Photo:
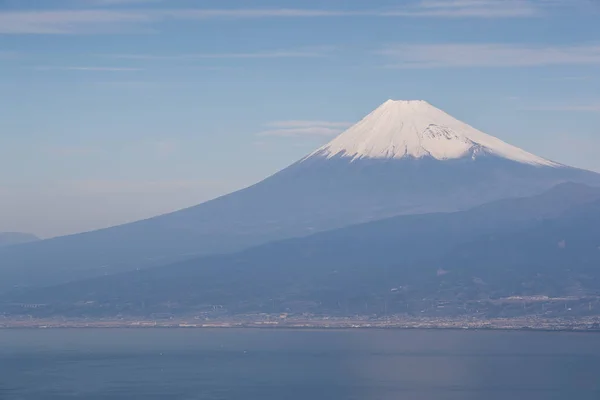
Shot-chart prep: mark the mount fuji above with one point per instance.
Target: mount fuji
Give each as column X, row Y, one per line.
column 405, row 157
column 416, row 129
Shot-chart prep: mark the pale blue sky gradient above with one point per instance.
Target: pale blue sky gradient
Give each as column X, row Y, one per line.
column 115, row 110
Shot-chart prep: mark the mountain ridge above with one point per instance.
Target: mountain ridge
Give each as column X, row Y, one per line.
column 15, row 238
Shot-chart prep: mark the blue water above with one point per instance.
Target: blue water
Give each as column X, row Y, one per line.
column 279, row 364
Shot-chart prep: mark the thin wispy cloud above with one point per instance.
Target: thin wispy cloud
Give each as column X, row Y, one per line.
column 298, row 53
column 304, row 128
column 136, row 20
column 6, row 55
column 308, row 131
column 470, row 8
column 251, row 13
column 90, row 69
column 133, row 20
column 487, row 55
column 65, row 151
column 307, row 124
column 571, row 78
column 164, row 148
column 129, row 186
column 566, row 107
column 70, row 21
column 103, row 69
column 138, row 85
column 120, row 2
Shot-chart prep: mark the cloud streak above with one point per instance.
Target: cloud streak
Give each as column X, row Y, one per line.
column 120, row 2
column 567, row 107
column 299, row 53
column 458, row 55
column 138, row 187
column 296, row 128
column 136, row 20
column 470, row 9
column 307, row 124
column 89, row 69
column 66, row 151
column 70, row 21
column 164, row 148
column 308, row 131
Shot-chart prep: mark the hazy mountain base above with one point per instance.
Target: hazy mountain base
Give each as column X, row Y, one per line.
column 14, row 238
column 500, row 259
column 315, row 195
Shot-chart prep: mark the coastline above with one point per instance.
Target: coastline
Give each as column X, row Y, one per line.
column 582, row 324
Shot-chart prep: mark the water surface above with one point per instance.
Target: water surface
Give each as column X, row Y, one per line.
column 296, row 364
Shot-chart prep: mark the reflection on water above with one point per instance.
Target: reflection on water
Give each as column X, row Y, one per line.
column 277, row 364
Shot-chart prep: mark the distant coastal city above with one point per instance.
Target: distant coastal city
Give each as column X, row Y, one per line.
column 589, row 323
column 536, row 312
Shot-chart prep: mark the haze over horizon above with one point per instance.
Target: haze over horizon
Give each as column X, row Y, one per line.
column 117, row 110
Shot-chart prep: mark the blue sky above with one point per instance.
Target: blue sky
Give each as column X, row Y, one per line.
column 115, row 110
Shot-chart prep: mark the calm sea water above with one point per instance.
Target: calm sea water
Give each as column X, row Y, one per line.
column 278, row 364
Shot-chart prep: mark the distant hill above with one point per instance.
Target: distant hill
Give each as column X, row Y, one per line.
column 547, row 244
column 11, row 238
column 556, row 257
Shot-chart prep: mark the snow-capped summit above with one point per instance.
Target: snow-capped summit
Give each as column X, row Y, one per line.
column 415, row 128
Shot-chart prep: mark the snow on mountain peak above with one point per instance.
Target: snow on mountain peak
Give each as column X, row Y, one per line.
column 416, row 129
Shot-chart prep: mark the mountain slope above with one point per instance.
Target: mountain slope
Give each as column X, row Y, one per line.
column 362, row 261
column 13, row 238
column 404, row 158
column 558, row 257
